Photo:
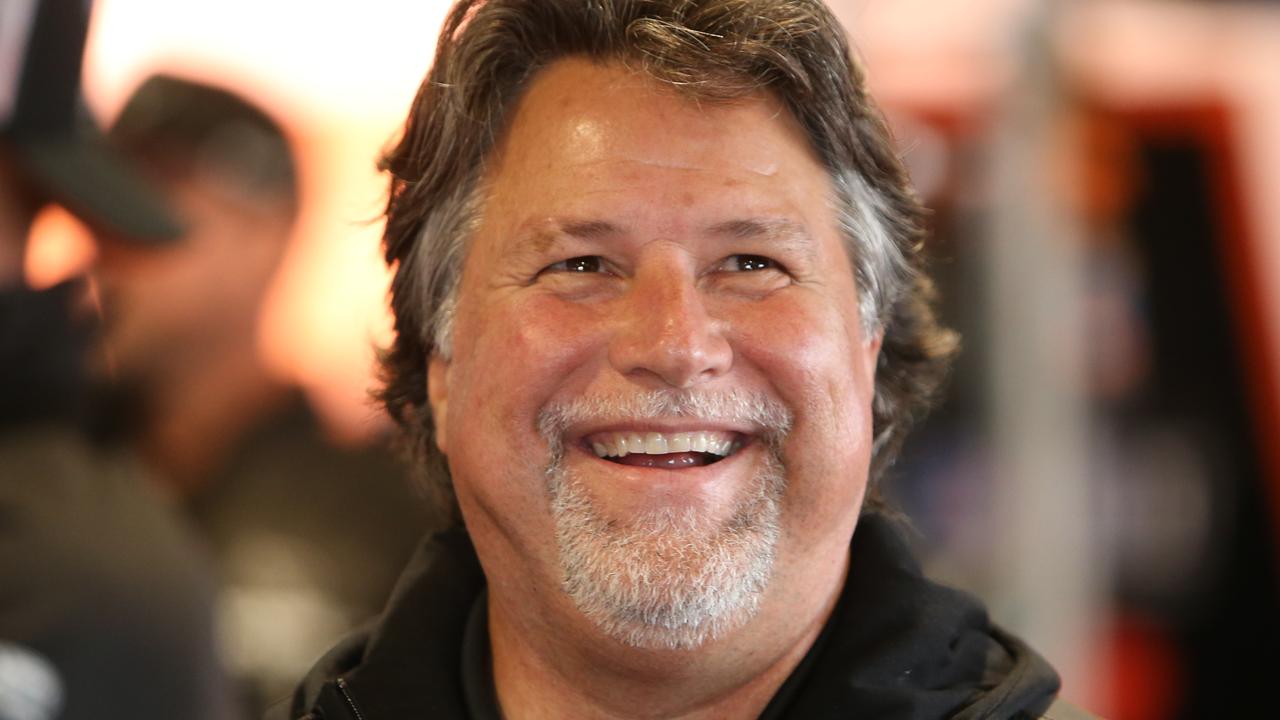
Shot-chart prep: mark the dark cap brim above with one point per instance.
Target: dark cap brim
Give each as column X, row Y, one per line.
column 81, row 172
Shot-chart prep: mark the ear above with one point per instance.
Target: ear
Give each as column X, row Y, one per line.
column 873, row 345
column 871, row 352
column 438, row 398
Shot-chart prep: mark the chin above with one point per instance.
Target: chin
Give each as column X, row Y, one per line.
column 671, row 578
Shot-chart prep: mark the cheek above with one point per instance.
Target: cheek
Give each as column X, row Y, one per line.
column 813, row 355
column 510, row 358
column 514, row 355
column 816, row 361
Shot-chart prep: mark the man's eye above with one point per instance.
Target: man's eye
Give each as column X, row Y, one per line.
column 583, row 264
column 749, row 263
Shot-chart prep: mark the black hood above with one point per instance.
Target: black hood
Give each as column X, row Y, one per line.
column 898, row 646
column 901, row 646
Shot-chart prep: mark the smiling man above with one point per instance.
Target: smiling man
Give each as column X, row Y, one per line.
column 660, row 313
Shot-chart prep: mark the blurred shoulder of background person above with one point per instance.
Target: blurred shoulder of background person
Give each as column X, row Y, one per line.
column 189, row 391
column 105, row 604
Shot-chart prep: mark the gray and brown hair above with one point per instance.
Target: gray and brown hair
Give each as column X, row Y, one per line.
column 710, row 50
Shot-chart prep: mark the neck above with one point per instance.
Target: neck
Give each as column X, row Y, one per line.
column 195, row 417
column 541, row 672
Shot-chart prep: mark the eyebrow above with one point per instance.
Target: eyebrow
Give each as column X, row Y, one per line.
column 781, row 232
column 547, row 234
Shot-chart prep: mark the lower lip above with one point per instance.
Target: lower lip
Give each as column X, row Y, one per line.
column 668, row 461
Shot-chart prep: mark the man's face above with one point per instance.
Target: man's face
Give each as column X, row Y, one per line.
column 656, row 274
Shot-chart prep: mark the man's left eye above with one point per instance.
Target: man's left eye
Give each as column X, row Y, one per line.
column 583, row 264
column 749, row 263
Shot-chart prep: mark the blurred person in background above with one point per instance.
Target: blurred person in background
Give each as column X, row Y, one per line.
column 662, row 325
column 188, row 391
column 105, row 603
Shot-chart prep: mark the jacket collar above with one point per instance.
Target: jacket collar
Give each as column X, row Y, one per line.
column 411, row 667
column 897, row 646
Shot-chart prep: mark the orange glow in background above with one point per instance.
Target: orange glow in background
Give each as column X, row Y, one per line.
column 339, row 77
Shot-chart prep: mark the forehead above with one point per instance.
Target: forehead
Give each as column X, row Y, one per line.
column 588, row 138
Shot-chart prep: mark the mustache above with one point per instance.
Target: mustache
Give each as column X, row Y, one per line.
column 771, row 419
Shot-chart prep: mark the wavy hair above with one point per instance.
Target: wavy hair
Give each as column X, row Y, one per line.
column 710, row 50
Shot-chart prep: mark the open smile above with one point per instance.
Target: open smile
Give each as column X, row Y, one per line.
column 665, row 450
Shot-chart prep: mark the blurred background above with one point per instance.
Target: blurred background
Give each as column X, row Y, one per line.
column 1105, row 471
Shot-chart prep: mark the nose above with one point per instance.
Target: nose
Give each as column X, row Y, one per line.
column 666, row 334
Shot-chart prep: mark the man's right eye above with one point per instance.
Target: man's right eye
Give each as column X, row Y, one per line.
column 583, row 264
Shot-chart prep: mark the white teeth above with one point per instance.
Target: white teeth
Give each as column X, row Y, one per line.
column 654, row 443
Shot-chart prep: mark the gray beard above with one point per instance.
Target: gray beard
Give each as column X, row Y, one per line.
column 668, row 579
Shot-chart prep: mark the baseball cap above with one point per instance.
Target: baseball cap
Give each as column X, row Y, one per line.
column 49, row 133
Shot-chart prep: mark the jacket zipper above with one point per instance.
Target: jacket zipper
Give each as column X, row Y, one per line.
column 346, row 695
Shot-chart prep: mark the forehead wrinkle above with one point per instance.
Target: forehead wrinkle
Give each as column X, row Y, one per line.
column 746, row 165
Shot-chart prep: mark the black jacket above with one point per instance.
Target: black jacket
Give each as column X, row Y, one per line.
column 897, row 647
column 106, row 602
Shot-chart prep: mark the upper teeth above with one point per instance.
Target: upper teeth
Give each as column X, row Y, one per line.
column 618, row 444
